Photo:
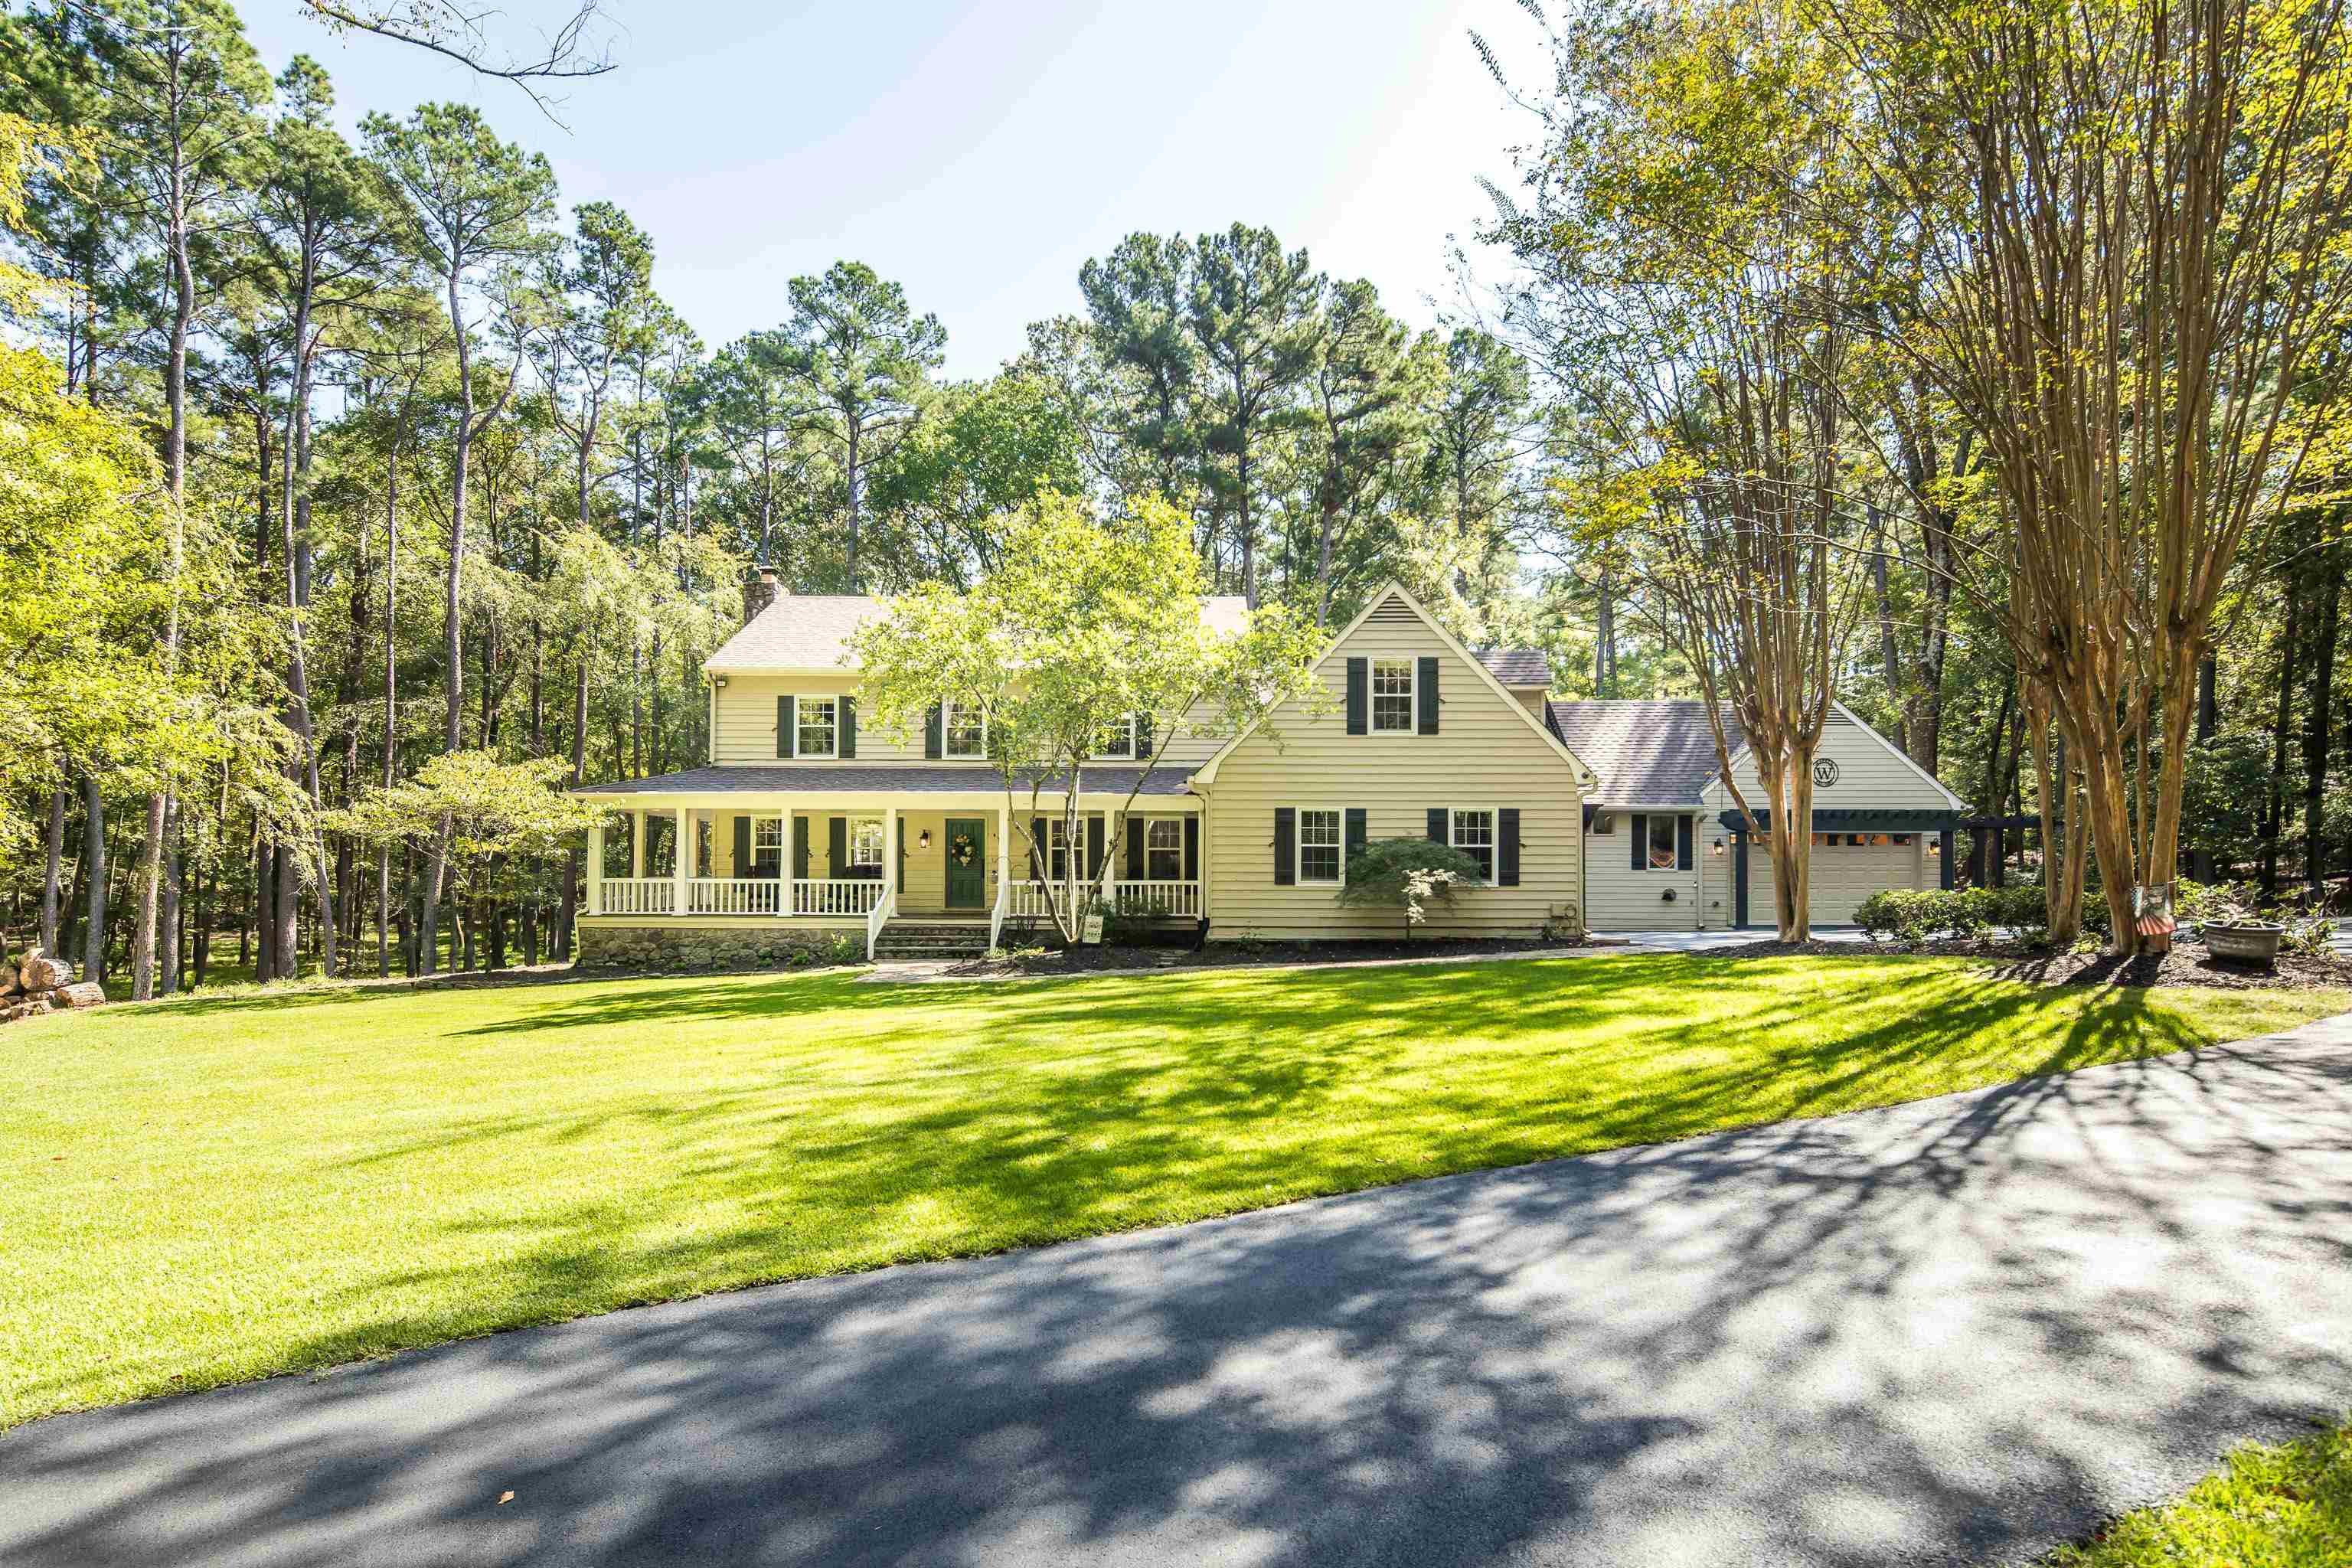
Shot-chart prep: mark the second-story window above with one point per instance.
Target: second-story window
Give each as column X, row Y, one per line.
column 963, row 732
column 1391, row 695
column 818, row 719
column 1119, row 741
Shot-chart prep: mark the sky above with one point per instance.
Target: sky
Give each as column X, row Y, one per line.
column 980, row 153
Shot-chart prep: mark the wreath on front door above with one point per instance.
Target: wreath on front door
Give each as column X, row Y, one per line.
column 960, row 849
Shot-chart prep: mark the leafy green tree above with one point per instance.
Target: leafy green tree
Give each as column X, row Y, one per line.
column 953, row 484
column 863, row 360
column 1083, row 629
column 1366, row 389
column 1139, row 316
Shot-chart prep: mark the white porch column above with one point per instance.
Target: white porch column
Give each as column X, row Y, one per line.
column 637, row 843
column 1003, row 849
column 682, row 865
column 891, row 850
column 596, row 867
column 788, row 892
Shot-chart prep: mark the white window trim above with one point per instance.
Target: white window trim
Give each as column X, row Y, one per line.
column 1675, row 842
column 1128, row 754
column 947, row 729
column 1493, row 845
column 1177, row 848
column 1412, row 662
column 1298, row 876
column 832, row 753
column 881, row 839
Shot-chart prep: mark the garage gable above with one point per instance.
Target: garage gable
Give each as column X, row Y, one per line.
column 1854, row 768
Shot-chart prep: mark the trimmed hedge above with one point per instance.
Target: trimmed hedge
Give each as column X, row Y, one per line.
column 1960, row 913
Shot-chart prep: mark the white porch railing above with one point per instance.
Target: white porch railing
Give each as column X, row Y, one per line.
column 996, row 916
column 1164, row 901
column 734, row 896
column 836, row 895
column 883, row 909
column 636, row 896
column 1159, row 900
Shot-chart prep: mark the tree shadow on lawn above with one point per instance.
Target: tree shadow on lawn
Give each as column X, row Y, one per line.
column 1976, row 1326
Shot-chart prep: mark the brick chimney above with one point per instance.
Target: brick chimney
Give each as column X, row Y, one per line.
column 758, row 590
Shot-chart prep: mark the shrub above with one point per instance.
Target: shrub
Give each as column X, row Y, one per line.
column 1962, row 913
column 1410, row 873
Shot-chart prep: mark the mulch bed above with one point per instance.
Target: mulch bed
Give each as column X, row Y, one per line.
column 1120, row 958
column 2186, row 965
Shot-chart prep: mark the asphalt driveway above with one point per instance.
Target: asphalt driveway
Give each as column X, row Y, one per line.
column 1950, row 1331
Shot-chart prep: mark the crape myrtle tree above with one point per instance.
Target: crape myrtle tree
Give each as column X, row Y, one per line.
column 1088, row 629
column 2134, row 287
column 1691, row 249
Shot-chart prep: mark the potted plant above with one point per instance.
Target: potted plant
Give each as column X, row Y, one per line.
column 2234, row 931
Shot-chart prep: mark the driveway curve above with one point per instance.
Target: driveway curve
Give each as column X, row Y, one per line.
column 1956, row 1331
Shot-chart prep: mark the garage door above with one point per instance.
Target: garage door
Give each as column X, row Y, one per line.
column 1843, row 873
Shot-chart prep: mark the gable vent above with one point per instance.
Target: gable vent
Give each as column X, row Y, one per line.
column 1393, row 612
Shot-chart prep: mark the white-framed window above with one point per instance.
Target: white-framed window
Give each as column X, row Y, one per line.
column 1058, row 836
column 766, row 843
column 1474, row 834
column 1665, row 855
column 1163, row 849
column 963, row 732
column 867, row 839
column 1321, row 855
column 817, row 721
column 1392, row 691
column 1119, row 741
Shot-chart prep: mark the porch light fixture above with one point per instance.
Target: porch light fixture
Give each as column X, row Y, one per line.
column 1717, row 849
column 923, row 840
column 719, row 682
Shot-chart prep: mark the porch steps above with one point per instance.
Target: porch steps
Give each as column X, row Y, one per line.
column 921, row 939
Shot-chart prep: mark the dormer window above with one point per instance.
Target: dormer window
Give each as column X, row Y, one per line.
column 1118, row 741
column 963, row 732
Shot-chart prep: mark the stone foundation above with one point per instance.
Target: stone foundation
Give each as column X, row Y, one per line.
column 639, row 948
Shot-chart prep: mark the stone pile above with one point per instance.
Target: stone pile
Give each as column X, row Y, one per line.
column 37, row 982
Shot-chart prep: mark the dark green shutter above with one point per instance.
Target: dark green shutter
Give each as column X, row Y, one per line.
column 849, row 726
column 935, row 733
column 1191, row 848
column 800, row 848
column 1682, row 843
column 1640, row 825
column 1037, row 861
column 787, row 731
column 1428, row 685
column 1438, row 824
column 1286, row 847
column 836, row 847
column 1135, row 849
column 1094, row 847
column 1506, row 847
column 742, row 846
column 1358, row 835
column 1359, row 696
column 1142, row 737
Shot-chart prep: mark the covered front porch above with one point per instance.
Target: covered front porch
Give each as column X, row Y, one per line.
column 851, row 864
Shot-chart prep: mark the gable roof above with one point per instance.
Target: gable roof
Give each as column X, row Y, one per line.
column 1207, row 773
column 1517, row 666
column 1647, row 753
column 811, row 631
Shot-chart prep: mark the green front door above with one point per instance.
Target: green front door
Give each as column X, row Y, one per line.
column 967, row 852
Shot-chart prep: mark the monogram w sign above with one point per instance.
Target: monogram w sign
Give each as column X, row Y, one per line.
column 1825, row 772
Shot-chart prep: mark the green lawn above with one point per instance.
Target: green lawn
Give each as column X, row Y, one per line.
column 2284, row 1506
column 206, row 1190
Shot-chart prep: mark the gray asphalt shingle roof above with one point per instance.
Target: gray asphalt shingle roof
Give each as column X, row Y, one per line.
column 785, row 778
column 1657, row 753
column 1517, row 666
column 811, row 631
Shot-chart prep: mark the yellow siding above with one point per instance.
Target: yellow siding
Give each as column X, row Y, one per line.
column 1619, row 898
column 1870, row 776
column 745, row 726
column 1485, row 756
